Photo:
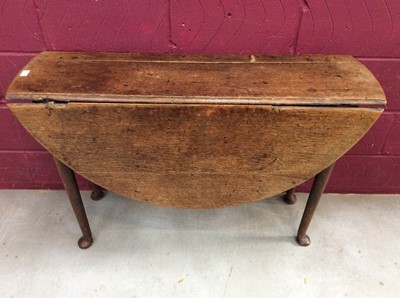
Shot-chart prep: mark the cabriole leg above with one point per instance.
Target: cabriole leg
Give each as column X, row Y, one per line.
column 320, row 181
column 290, row 197
column 97, row 192
column 70, row 185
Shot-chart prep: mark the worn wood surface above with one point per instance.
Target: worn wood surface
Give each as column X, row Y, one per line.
column 196, row 131
column 197, row 156
column 247, row 79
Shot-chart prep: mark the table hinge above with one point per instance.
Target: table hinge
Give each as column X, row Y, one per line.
column 49, row 101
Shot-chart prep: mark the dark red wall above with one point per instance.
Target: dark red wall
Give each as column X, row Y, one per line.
column 367, row 29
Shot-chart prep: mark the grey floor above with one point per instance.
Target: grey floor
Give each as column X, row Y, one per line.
column 247, row 251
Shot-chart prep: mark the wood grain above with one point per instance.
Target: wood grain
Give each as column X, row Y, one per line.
column 109, row 77
column 195, row 156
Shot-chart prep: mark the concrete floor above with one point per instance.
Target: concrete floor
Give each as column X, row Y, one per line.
column 142, row 250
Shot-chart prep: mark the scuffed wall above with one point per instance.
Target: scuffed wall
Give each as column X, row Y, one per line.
column 367, row 29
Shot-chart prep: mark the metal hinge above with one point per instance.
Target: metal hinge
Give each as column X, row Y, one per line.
column 49, row 101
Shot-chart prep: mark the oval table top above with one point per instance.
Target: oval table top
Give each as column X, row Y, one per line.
column 196, row 131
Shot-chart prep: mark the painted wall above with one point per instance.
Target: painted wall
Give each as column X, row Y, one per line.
column 367, row 29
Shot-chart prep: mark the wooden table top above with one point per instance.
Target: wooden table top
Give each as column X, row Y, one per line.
column 231, row 79
column 241, row 128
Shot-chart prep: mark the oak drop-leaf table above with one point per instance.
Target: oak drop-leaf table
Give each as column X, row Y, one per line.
column 195, row 131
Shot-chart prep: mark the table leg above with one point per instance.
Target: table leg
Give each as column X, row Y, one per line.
column 320, row 181
column 70, row 185
column 97, row 192
column 290, row 196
